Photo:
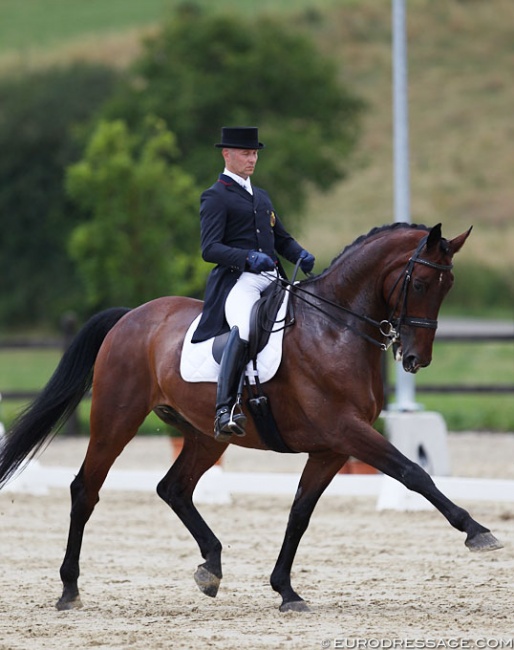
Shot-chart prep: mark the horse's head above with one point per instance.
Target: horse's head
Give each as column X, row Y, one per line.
column 414, row 296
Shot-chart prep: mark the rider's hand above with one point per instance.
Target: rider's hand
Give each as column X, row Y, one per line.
column 258, row 262
column 307, row 261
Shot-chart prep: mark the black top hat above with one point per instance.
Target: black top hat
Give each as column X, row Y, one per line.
column 240, row 137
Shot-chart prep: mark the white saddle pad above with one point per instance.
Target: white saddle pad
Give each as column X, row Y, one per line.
column 197, row 363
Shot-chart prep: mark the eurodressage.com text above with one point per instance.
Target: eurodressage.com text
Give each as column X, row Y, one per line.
column 482, row 643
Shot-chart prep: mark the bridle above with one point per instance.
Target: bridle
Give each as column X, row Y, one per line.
column 389, row 328
column 406, row 274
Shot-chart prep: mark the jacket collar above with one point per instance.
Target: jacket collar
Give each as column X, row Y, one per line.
column 233, row 186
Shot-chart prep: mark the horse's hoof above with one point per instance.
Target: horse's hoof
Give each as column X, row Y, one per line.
column 207, row 582
column 64, row 604
column 295, row 606
column 483, row 542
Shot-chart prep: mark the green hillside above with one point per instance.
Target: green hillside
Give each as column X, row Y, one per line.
column 28, row 26
column 461, row 55
column 461, row 122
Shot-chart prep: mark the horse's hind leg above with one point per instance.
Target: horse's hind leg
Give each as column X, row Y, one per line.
column 81, row 510
column 176, row 489
column 104, row 447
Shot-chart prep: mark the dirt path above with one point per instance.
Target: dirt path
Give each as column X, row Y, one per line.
column 370, row 577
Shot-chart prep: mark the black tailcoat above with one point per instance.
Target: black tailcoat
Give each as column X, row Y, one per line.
column 233, row 223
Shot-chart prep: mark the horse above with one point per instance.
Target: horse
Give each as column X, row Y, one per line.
column 385, row 288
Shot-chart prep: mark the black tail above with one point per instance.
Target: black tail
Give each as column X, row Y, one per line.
column 57, row 401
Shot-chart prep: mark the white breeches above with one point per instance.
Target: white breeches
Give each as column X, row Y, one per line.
column 243, row 296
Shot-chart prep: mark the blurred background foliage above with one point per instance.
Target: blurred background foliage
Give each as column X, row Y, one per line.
column 125, row 227
column 315, row 75
column 40, row 116
column 139, row 241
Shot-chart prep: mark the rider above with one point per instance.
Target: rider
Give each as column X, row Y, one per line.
column 242, row 235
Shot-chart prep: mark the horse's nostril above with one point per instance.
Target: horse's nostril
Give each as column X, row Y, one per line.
column 410, row 363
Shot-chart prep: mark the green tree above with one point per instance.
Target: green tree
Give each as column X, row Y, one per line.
column 141, row 237
column 40, row 115
column 204, row 71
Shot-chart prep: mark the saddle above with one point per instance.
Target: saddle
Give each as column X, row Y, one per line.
column 263, row 320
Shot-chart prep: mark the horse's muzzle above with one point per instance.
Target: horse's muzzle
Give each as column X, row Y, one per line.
column 411, row 363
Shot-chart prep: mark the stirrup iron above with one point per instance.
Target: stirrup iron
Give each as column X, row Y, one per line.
column 229, row 421
column 237, row 420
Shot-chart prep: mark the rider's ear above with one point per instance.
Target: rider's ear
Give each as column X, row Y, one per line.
column 434, row 237
column 457, row 243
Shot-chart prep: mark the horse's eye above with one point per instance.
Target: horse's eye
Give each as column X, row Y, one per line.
column 419, row 286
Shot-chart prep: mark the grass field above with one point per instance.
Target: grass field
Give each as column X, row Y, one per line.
column 31, row 27
column 30, row 370
column 44, row 23
column 485, row 363
column 469, row 364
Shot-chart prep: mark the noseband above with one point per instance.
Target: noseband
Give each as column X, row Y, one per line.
column 390, row 328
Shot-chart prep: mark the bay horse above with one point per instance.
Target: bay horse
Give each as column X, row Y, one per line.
column 386, row 287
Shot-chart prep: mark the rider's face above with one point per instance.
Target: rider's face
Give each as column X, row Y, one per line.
column 241, row 161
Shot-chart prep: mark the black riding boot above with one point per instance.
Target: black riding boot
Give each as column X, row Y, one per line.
column 229, row 416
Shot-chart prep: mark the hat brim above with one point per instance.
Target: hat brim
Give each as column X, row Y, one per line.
column 222, row 145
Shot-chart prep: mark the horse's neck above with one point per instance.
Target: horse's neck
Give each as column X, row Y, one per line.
column 355, row 281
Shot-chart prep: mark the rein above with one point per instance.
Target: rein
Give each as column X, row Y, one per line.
column 389, row 328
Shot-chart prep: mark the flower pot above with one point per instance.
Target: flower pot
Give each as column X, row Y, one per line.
column 354, row 466
column 177, row 442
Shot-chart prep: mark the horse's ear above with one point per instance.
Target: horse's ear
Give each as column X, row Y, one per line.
column 456, row 244
column 434, row 236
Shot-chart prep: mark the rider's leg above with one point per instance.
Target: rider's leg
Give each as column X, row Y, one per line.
column 229, row 417
column 238, row 306
column 242, row 297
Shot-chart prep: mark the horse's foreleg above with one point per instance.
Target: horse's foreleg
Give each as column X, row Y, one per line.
column 317, row 474
column 380, row 453
column 415, row 478
column 176, row 489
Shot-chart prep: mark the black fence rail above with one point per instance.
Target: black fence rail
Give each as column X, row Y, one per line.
column 466, row 331
column 450, row 331
column 69, row 327
column 31, row 344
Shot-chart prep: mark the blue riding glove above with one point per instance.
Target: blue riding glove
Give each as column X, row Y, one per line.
column 258, row 262
column 307, row 261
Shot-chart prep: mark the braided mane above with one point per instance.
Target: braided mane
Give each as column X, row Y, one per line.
column 397, row 225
